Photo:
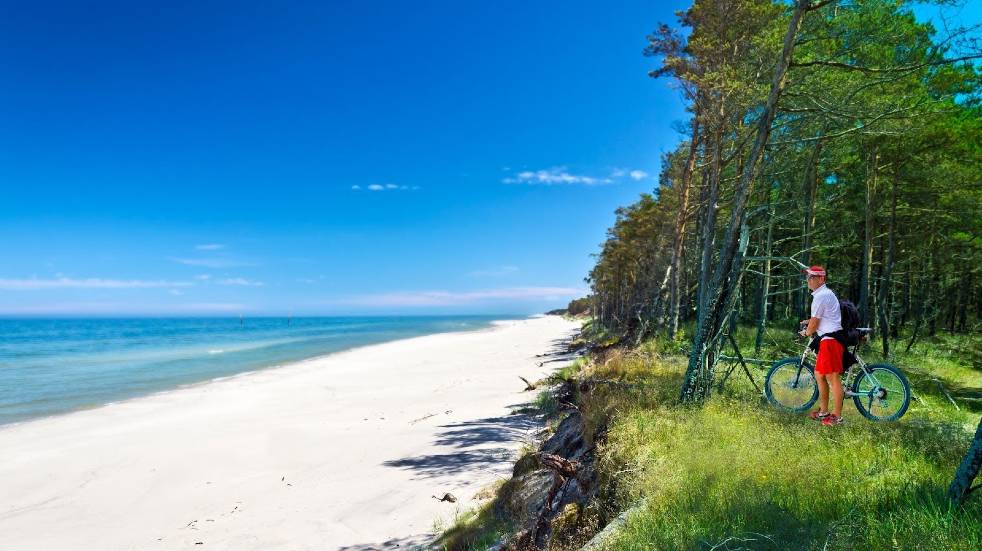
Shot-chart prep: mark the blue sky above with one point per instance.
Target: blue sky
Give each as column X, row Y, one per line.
column 364, row 157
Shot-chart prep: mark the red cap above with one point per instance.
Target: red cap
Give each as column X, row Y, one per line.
column 814, row 270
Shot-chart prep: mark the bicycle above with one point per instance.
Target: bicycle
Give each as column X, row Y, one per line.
column 881, row 392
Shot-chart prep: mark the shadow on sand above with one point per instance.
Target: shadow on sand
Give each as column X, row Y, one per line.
column 411, row 542
column 478, row 444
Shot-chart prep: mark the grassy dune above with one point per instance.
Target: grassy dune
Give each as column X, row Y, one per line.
column 737, row 474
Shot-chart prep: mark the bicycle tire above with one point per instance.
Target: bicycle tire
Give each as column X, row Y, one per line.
column 864, row 401
column 775, row 382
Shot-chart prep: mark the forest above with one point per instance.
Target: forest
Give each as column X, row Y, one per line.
column 845, row 134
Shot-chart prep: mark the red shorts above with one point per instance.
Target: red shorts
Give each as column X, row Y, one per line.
column 829, row 357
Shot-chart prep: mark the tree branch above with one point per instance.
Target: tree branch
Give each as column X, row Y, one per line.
column 841, row 65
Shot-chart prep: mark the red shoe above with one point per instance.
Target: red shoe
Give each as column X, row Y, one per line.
column 832, row 419
column 818, row 415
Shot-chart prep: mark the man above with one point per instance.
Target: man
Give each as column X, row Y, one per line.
column 825, row 320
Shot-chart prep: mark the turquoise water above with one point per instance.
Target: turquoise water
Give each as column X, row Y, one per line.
column 56, row 366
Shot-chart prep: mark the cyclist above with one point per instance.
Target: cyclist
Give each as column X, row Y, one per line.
column 825, row 320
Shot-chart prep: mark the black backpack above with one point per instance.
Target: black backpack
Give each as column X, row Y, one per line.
column 850, row 321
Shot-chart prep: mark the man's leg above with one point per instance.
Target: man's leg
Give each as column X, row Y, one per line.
column 834, row 383
column 823, row 393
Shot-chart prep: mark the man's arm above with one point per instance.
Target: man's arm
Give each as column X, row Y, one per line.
column 819, row 304
column 811, row 329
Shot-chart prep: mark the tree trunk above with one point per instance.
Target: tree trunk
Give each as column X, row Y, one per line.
column 701, row 222
column 952, row 310
column 681, row 217
column 699, row 376
column 709, row 214
column 905, row 307
column 810, row 193
column 961, row 485
column 966, row 298
column 765, row 285
column 923, row 296
column 866, row 271
column 885, row 284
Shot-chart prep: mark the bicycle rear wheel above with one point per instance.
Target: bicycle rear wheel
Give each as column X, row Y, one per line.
column 790, row 385
column 881, row 393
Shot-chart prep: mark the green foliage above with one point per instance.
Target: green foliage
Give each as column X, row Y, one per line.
column 546, row 403
column 871, row 169
column 579, row 306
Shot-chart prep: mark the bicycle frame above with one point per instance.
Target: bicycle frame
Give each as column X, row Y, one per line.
column 849, row 376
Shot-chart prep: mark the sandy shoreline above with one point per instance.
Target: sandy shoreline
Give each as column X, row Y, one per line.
column 340, row 452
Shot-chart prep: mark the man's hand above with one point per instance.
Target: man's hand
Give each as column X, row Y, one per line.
column 810, row 326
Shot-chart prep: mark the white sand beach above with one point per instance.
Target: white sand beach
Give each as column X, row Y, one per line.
column 339, row 452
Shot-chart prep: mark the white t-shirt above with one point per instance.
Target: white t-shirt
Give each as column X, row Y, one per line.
column 825, row 307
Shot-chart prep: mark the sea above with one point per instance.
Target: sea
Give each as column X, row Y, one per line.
column 55, row 366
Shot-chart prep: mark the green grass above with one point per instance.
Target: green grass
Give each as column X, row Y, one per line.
column 739, row 474
column 722, row 471
column 475, row 529
column 568, row 371
column 546, row 403
column 937, row 367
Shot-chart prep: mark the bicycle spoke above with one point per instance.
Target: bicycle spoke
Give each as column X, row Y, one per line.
column 882, row 393
column 791, row 386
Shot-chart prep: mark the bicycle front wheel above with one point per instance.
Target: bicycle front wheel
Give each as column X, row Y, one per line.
column 881, row 393
column 791, row 385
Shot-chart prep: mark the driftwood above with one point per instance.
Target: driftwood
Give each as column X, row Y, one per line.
column 564, row 470
column 536, row 536
column 448, row 497
column 560, row 465
column 945, row 392
column 528, row 386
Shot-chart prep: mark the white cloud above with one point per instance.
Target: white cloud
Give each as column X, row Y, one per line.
column 240, row 281
column 387, row 187
column 498, row 271
column 209, row 247
column 451, row 298
column 555, row 175
column 125, row 308
column 211, row 262
column 356, row 187
column 176, row 292
column 203, row 277
column 34, row 284
column 560, row 175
